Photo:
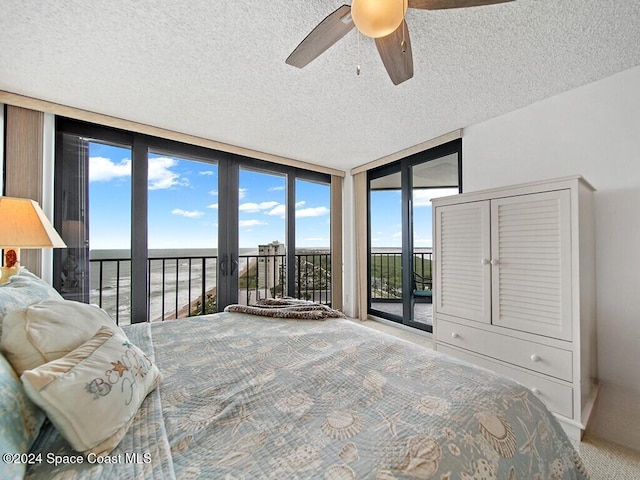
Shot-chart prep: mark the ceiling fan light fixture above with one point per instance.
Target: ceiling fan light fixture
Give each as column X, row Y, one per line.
column 378, row 18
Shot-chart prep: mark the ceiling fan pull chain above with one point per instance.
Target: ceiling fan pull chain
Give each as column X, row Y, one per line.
column 358, row 59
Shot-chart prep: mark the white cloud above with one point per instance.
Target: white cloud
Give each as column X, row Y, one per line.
column 312, row 212
column 422, row 197
column 213, row 205
column 187, row 213
column 280, row 211
column 300, row 203
column 251, row 223
column 252, row 207
column 103, row 169
column 160, row 175
column 207, row 172
column 397, row 235
column 242, row 192
column 213, row 193
column 275, row 189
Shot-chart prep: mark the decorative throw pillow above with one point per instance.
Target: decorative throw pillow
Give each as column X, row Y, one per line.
column 22, row 290
column 92, row 394
column 20, row 421
column 48, row 330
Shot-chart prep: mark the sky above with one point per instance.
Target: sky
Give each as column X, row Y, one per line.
column 183, row 206
column 386, row 217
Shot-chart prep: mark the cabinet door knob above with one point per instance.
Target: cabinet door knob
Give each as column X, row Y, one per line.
column 535, row 358
column 495, row 262
column 455, row 335
column 485, row 261
column 536, row 391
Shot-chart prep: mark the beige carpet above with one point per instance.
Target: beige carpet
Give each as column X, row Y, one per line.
column 608, row 461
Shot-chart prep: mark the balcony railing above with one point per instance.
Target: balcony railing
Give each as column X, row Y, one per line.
column 186, row 286
column 386, row 273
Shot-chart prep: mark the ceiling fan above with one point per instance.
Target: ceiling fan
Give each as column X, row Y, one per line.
column 382, row 20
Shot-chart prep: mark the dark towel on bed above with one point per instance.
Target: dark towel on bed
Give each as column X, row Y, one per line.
column 287, row 308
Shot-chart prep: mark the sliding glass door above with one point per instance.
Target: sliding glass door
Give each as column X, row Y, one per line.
column 159, row 230
column 262, row 235
column 385, row 257
column 312, row 269
column 100, row 170
column 182, row 235
column 400, row 237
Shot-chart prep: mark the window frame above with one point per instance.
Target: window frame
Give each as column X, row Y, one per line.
column 403, row 166
column 141, row 144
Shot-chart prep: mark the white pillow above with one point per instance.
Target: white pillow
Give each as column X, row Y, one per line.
column 23, row 289
column 92, row 394
column 48, row 330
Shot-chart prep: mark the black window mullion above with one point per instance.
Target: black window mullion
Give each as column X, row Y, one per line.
column 291, row 235
column 407, row 242
column 227, row 283
column 139, row 209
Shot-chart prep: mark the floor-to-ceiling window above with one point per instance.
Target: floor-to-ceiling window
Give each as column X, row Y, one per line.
column 182, row 234
column 97, row 169
column 400, row 237
column 312, row 271
column 262, row 235
column 159, row 229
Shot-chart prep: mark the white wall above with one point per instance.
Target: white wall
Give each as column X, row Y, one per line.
column 593, row 131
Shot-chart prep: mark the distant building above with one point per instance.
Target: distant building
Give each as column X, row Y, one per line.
column 270, row 264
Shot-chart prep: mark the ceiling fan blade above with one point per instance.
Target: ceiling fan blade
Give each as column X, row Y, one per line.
column 395, row 52
column 441, row 4
column 328, row 32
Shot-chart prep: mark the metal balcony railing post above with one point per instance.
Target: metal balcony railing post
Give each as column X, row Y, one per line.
column 204, row 284
column 100, row 285
column 149, row 290
column 189, row 294
column 117, row 292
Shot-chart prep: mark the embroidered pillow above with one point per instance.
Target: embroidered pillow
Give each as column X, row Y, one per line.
column 92, row 394
column 36, row 334
column 20, row 420
column 23, row 289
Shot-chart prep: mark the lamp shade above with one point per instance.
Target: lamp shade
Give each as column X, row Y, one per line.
column 23, row 224
column 378, row 18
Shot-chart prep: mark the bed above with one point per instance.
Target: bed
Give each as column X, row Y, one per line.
column 240, row 395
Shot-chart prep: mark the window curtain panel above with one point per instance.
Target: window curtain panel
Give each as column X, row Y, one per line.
column 361, row 220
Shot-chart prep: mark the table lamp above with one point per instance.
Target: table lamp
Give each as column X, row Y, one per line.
column 23, row 224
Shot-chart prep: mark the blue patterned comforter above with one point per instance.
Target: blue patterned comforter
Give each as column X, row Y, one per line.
column 252, row 397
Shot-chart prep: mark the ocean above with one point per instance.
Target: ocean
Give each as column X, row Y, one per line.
column 175, row 281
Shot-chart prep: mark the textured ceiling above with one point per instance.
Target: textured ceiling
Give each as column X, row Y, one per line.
column 216, row 68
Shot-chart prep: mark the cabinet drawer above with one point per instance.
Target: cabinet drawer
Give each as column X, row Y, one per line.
column 533, row 356
column 557, row 397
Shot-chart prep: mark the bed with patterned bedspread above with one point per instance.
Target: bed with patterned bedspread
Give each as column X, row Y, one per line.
column 255, row 397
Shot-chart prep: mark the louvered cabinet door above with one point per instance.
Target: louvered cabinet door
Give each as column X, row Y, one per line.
column 462, row 253
column 531, row 263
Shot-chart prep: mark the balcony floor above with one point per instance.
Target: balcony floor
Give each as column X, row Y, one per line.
column 422, row 312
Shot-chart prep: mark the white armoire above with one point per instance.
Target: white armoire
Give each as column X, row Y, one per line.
column 515, row 287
